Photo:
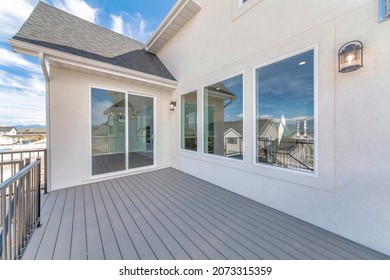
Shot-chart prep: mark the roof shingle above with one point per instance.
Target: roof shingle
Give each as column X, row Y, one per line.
column 52, row 28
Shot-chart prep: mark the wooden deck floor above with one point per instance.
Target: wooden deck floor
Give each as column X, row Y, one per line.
column 168, row 214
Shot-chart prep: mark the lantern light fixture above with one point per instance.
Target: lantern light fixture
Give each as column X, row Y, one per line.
column 351, row 56
column 172, row 105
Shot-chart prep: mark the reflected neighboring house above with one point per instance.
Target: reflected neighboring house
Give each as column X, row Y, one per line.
column 268, row 130
column 31, row 134
column 233, row 138
column 8, row 135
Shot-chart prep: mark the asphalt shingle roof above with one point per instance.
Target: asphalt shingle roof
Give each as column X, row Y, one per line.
column 52, row 28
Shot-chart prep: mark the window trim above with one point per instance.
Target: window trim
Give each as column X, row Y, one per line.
column 241, row 2
column 181, row 124
column 265, row 167
column 239, row 8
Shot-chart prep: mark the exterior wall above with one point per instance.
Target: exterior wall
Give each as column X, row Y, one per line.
column 350, row 193
column 71, row 128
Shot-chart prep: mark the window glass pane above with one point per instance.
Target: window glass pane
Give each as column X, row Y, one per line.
column 223, row 113
column 285, row 113
column 141, row 131
column 189, row 121
column 108, row 131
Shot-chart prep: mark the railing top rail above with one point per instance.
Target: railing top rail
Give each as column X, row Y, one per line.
column 11, row 162
column 18, row 175
column 23, row 151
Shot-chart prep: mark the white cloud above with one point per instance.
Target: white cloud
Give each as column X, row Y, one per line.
column 12, row 15
column 117, row 24
column 264, row 116
column 34, row 84
column 133, row 26
column 78, row 8
column 20, row 106
column 22, row 99
column 11, row 59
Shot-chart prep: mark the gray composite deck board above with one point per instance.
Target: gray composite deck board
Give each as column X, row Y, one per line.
column 94, row 238
column 78, row 245
column 329, row 244
column 35, row 241
column 124, row 242
column 167, row 214
column 62, row 248
column 199, row 233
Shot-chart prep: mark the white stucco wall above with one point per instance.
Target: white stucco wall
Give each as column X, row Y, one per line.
column 350, row 195
column 70, row 125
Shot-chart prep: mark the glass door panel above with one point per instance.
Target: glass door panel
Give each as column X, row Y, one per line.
column 140, row 131
column 108, row 116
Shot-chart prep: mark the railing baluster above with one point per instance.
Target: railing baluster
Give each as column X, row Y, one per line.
column 19, row 209
column 3, row 224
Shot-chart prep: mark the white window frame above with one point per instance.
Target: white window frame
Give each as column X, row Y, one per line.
column 198, row 111
column 241, row 2
column 315, row 114
column 202, row 112
column 239, row 8
column 155, row 138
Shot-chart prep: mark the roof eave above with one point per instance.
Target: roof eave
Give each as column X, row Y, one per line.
column 181, row 13
column 34, row 50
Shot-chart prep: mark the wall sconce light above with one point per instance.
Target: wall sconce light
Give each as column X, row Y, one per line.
column 351, row 57
column 172, row 105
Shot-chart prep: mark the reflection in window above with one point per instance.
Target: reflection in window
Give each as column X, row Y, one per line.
column 189, row 121
column 285, row 113
column 108, row 115
column 223, row 112
column 108, row 131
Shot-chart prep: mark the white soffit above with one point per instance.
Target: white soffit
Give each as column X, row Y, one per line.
column 180, row 14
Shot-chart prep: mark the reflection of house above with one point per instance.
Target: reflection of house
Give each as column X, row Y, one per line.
column 202, row 42
column 267, row 130
column 7, row 135
column 233, row 138
column 32, row 134
column 218, row 97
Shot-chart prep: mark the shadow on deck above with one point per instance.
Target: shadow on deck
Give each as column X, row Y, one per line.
column 167, row 214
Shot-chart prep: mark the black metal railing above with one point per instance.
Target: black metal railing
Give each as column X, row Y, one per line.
column 20, row 204
column 297, row 154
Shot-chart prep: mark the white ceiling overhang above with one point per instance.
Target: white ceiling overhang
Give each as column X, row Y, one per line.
column 180, row 14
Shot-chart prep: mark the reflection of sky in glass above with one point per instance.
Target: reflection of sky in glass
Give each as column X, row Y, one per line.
column 233, row 111
column 286, row 88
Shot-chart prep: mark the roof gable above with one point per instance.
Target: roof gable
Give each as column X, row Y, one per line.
column 52, row 28
column 7, row 128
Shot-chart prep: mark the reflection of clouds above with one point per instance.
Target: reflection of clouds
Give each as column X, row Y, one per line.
column 265, row 117
column 234, row 111
column 286, row 88
column 234, row 83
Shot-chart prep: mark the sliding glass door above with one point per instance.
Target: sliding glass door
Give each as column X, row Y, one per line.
column 122, row 131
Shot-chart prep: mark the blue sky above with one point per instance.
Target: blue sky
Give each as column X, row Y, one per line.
column 22, row 96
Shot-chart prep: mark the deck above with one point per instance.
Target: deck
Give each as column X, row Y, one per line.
column 167, row 214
